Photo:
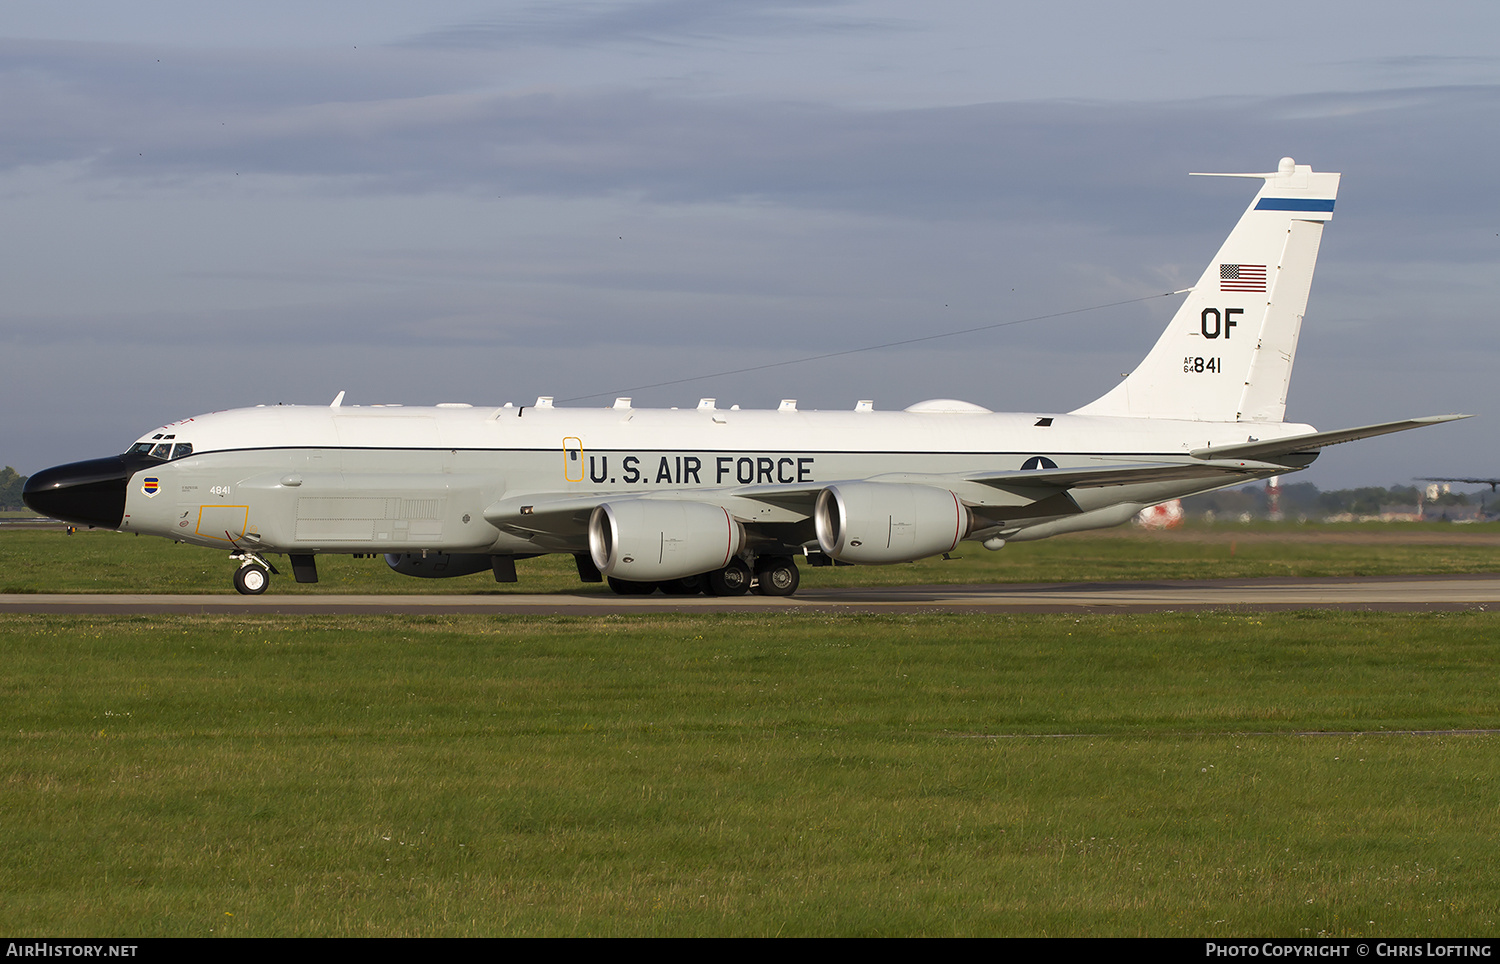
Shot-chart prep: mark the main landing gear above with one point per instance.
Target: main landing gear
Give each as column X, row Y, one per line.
column 773, row 576
column 776, row 576
column 732, row 580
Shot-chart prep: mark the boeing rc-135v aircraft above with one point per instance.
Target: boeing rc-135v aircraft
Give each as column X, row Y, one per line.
column 721, row 501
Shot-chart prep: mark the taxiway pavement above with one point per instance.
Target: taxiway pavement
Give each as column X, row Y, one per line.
column 1405, row 593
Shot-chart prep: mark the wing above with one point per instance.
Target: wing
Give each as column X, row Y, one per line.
column 560, row 522
column 1492, row 483
column 783, row 513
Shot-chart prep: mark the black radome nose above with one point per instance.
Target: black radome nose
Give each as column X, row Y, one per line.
column 88, row 493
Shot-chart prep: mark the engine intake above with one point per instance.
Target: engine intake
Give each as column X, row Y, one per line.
column 877, row 523
column 646, row 540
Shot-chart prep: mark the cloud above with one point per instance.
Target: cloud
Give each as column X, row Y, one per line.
column 401, row 128
column 658, row 22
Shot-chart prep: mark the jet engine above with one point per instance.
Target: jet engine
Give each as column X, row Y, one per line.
column 438, row 565
column 648, row 540
column 875, row 523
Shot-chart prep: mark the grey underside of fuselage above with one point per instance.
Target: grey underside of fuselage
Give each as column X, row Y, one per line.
column 340, row 500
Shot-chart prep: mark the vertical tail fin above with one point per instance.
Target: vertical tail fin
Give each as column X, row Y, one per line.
column 1227, row 355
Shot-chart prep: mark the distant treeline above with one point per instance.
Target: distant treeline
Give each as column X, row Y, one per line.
column 11, row 483
column 1305, row 500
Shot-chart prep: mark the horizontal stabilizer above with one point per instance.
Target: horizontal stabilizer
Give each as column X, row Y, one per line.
column 1120, row 473
column 1299, row 444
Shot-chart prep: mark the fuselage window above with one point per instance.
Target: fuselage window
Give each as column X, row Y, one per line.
column 182, row 450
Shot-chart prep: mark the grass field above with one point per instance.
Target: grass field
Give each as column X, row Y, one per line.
column 1169, row 774
column 47, row 560
column 791, row 774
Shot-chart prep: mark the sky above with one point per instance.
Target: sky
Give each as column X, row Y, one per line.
column 212, row 206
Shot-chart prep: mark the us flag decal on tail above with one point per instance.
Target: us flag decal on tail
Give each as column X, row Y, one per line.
column 1242, row 277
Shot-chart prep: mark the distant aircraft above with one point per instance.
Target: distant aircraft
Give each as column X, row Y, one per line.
column 723, row 501
column 1489, row 482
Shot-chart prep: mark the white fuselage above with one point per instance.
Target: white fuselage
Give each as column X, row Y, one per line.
column 309, row 479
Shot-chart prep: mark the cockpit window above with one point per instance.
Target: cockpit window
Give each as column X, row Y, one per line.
column 163, row 450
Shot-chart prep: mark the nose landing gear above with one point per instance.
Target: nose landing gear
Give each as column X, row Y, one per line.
column 253, row 575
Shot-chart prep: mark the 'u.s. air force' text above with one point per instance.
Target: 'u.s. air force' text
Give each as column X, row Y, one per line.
column 705, row 470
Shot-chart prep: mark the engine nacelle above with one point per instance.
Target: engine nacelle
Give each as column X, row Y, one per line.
column 875, row 523
column 648, row 540
column 437, row 565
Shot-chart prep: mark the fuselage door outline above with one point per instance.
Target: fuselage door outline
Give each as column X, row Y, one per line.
column 573, row 459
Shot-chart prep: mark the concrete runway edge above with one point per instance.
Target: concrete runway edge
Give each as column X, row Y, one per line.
column 1395, row 594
